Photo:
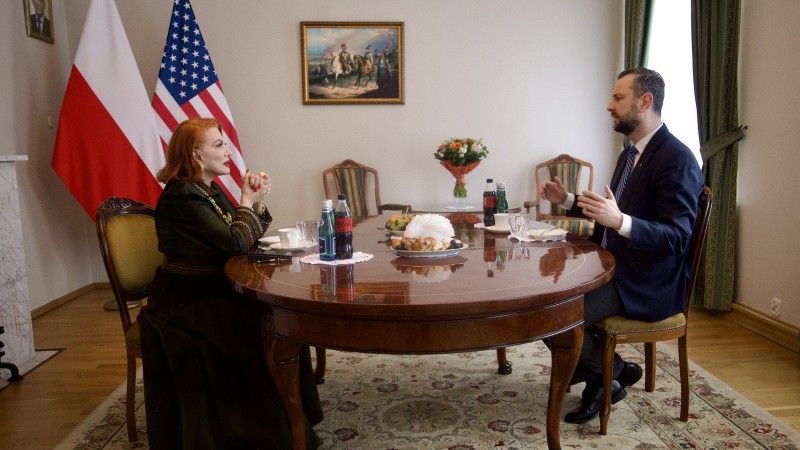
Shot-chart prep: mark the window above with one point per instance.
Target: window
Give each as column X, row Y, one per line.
column 669, row 52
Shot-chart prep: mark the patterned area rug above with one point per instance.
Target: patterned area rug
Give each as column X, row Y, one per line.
column 458, row 401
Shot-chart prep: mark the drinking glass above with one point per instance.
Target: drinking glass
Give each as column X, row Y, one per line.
column 518, row 224
column 309, row 230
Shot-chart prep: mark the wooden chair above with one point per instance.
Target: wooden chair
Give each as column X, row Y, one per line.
column 353, row 180
column 622, row 329
column 570, row 171
column 127, row 234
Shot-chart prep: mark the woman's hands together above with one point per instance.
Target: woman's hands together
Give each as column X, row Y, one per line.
column 255, row 188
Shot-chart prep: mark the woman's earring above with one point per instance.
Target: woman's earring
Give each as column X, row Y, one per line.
column 202, row 167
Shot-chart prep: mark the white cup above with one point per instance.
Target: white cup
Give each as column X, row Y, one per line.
column 290, row 237
column 501, row 220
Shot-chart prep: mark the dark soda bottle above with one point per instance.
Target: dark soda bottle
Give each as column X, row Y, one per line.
column 327, row 232
column 489, row 203
column 344, row 230
column 345, row 288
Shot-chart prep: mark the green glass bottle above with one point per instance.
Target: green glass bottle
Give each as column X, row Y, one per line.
column 502, row 202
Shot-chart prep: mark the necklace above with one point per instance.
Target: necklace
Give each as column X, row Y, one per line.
column 225, row 216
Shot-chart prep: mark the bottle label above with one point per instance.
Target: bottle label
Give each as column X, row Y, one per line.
column 344, row 224
column 489, row 201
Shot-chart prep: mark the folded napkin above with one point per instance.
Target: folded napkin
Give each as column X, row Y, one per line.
column 357, row 257
column 542, row 235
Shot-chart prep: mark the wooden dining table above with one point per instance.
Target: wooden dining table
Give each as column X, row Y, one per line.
column 496, row 292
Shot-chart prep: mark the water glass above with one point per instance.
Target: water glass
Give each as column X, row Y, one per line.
column 309, row 230
column 518, row 223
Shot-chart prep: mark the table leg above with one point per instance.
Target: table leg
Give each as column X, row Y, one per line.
column 283, row 362
column 565, row 349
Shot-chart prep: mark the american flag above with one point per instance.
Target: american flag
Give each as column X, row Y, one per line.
column 188, row 87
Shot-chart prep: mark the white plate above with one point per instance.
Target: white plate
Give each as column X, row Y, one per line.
column 303, row 245
column 496, row 229
column 431, row 253
column 270, row 239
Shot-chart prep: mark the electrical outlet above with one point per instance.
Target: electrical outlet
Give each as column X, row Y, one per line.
column 775, row 307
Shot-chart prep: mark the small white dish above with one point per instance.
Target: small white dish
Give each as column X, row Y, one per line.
column 498, row 229
column 270, row 239
column 303, row 245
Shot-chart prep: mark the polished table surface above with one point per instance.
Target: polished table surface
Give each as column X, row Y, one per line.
column 495, row 293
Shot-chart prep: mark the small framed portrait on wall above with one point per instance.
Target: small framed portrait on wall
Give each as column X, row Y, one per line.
column 39, row 19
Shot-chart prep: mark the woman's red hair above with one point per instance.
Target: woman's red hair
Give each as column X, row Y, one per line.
column 181, row 163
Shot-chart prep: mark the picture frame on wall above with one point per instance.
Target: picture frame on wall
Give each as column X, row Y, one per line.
column 352, row 62
column 39, row 19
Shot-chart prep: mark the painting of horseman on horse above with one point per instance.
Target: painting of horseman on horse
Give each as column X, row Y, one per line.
column 352, row 63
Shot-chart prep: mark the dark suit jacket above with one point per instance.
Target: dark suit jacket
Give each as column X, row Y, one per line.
column 45, row 25
column 661, row 196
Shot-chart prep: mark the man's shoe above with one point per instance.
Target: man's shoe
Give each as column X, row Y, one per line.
column 592, row 401
column 631, row 373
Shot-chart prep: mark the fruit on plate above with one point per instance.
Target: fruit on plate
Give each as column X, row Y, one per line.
column 398, row 222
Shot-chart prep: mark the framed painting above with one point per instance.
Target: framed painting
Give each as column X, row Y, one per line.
column 352, row 62
column 39, row 19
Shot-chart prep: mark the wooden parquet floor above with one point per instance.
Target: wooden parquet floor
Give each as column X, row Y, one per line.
column 42, row 409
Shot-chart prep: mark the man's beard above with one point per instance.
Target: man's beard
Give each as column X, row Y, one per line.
column 627, row 124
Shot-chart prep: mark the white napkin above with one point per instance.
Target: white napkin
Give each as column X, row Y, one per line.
column 542, row 235
column 357, row 258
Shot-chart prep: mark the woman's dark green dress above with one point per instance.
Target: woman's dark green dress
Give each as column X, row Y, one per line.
column 205, row 377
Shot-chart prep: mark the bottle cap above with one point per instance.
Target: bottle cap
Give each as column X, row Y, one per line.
column 488, row 180
column 342, row 197
column 501, row 185
column 327, row 202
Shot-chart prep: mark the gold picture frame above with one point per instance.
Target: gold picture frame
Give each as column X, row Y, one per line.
column 39, row 19
column 352, row 62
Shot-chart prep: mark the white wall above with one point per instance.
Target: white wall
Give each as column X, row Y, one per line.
column 769, row 157
column 58, row 239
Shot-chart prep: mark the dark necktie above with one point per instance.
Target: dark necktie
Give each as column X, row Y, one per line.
column 630, row 155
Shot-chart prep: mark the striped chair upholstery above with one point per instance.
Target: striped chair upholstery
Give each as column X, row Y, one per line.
column 569, row 170
column 352, row 182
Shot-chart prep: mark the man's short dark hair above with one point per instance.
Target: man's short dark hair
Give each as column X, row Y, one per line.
column 647, row 80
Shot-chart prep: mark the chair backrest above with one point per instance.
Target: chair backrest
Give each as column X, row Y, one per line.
column 569, row 170
column 698, row 241
column 127, row 234
column 352, row 179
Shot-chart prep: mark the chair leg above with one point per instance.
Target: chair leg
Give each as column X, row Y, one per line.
column 609, row 345
column 649, row 366
column 503, row 366
column 130, row 399
column 683, row 358
column 319, row 372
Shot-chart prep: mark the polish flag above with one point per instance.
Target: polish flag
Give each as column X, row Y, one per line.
column 107, row 142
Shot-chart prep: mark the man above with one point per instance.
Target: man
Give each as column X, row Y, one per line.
column 645, row 222
column 39, row 23
column 344, row 59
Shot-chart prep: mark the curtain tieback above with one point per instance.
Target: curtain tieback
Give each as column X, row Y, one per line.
column 721, row 142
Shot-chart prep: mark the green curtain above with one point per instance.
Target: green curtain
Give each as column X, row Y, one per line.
column 715, row 50
column 637, row 26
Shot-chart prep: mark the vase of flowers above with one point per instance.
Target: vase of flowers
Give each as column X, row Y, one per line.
column 461, row 156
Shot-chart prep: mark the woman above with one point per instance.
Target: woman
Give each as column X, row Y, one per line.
column 205, row 377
